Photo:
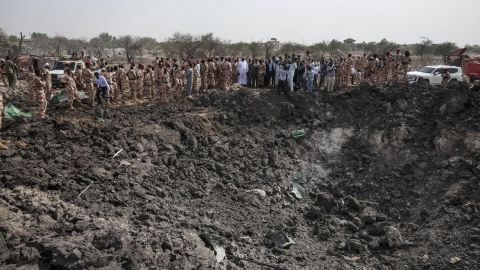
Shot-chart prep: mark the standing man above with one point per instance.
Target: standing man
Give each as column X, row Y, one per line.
column 102, row 89
column 189, row 79
column 119, row 78
column 132, row 81
column 11, row 71
column 3, row 145
column 310, row 75
column 148, row 81
column 262, row 69
column 330, row 76
column 39, row 89
column 48, row 82
column 71, row 87
column 211, row 74
column 406, row 62
column 3, row 74
column 203, row 75
column 242, row 72
column 78, row 77
column 87, row 76
column 291, row 73
column 140, row 81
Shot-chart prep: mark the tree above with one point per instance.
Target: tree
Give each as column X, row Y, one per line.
column 473, row 48
column 255, row 48
column 319, row 49
column 424, row 47
column 132, row 47
column 182, row 45
column 106, row 38
column 443, row 49
column 58, row 43
column 148, row 43
column 290, row 48
column 97, row 45
column 40, row 43
column 237, row 49
column 333, row 46
column 270, row 45
column 385, row 46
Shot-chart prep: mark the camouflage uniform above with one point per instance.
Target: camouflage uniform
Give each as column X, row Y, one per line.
column 48, row 87
column 406, row 62
column 3, row 76
column 148, row 83
column 348, row 70
column 398, row 67
column 369, row 72
column 179, row 83
column 211, row 75
column 203, row 76
column 233, row 68
column 39, row 88
column 262, row 69
column 78, row 76
column 163, row 81
column 222, row 75
column 72, row 90
column 445, row 79
column 1, row 110
column 121, row 81
column 31, row 85
column 87, row 76
column 196, row 79
column 140, row 84
column 132, row 83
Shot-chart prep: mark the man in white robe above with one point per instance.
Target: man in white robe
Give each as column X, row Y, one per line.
column 242, row 72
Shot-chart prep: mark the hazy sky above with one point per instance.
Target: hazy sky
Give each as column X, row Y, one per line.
column 307, row 21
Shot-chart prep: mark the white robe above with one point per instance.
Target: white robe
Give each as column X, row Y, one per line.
column 242, row 70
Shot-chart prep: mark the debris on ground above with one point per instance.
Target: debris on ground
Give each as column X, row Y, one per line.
column 388, row 179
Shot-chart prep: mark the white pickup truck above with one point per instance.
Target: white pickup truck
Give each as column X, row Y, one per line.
column 433, row 74
column 58, row 71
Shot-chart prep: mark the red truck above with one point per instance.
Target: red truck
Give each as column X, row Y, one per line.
column 469, row 64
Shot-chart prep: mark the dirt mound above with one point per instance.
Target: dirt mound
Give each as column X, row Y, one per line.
column 377, row 178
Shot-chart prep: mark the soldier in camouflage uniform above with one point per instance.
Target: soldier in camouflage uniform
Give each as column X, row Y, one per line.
column 87, row 79
column 48, row 81
column 39, row 89
column 121, row 81
column 78, row 77
column 140, row 82
column 262, row 70
column 148, row 80
column 132, row 81
column 3, row 144
column 71, row 87
column 406, row 62
column 203, row 75
column 210, row 74
column 108, row 74
column 163, row 81
column 196, row 78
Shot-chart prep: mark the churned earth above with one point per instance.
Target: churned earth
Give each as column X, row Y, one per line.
column 380, row 178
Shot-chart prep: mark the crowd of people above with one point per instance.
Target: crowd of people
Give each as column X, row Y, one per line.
column 169, row 78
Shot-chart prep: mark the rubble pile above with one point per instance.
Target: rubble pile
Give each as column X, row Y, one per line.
column 367, row 177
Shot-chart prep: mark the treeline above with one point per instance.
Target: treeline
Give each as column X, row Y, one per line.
column 184, row 45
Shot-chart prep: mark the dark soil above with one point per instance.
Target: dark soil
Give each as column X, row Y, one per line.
column 391, row 180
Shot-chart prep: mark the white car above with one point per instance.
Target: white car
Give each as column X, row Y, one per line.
column 433, row 74
column 58, row 71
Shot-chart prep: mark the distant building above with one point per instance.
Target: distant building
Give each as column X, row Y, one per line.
column 349, row 44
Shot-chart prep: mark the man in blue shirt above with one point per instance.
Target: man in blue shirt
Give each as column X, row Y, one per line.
column 102, row 88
